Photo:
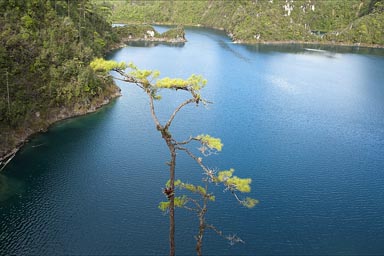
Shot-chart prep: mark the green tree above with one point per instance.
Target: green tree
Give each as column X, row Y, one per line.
column 151, row 85
column 45, row 50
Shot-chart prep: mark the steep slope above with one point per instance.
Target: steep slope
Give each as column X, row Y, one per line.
column 266, row 20
column 45, row 48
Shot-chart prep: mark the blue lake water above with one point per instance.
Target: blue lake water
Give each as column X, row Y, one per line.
column 307, row 126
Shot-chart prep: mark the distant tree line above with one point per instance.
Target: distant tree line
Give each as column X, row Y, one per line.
column 344, row 21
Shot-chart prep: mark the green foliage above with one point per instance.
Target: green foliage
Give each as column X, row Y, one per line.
column 144, row 75
column 367, row 29
column 171, row 82
column 233, row 182
column 174, row 33
column 194, row 81
column 149, row 78
column 135, row 31
column 262, row 20
column 45, row 49
column 197, row 82
column 249, row 202
column 102, row 65
column 210, row 142
column 180, row 201
column 146, row 32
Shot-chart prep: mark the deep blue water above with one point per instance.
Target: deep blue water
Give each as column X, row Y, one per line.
column 307, row 127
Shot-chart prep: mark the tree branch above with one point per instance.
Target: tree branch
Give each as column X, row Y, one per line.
column 127, row 78
column 183, row 142
column 199, row 208
column 207, row 171
column 210, row 226
column 210, row 173
column 177, row 110
column 153, row 113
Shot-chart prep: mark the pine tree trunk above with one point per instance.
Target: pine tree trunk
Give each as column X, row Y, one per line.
column 172, row 203
column 172, row 165
column 199, row 238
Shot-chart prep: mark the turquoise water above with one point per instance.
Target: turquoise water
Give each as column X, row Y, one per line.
column 307, row 126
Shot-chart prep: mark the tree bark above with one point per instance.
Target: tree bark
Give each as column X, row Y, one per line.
column 172, row 165
column 172, row 200
column 202, row 226
column 199, row 238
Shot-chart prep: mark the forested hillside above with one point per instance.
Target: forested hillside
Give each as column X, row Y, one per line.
column 342, row 21
column 45, row 49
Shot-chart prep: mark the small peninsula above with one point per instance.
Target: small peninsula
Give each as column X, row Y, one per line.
column 129, row 33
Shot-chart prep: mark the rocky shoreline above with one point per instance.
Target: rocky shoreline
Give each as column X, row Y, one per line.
column 156, row 39
column 54, row 116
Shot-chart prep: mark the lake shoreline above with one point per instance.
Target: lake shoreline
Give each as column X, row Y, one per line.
column 271, row 42
column 308, row 43
column 150, row 40
column 55, row 116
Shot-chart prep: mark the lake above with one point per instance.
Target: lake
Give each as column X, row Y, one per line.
column 306, row 123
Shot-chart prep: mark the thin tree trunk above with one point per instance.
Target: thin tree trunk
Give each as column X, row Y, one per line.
column 172, row 165
column 202, row 226
column 172, row 201
column 199, row 238
column 168, row 139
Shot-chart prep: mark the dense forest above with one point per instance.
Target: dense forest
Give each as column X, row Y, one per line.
column 328, row 21
column 45, row 50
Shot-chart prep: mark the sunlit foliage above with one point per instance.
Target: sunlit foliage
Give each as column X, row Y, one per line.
column 102, row 65
column 210, row 142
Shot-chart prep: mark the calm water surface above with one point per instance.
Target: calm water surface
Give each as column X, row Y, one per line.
column 307, row 127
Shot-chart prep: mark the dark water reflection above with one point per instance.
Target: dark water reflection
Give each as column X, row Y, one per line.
column 152, row 44
column 300, row 48
column 10, row 187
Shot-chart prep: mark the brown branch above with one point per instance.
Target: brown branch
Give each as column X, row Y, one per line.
column 183, row 142
column 190, row 209
column 184, row 88
column 177, row 110
column 219, row 232
column 199, row 208
column 197, row 159
column 237, row 198
column 153, row 113
column 128, row 78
